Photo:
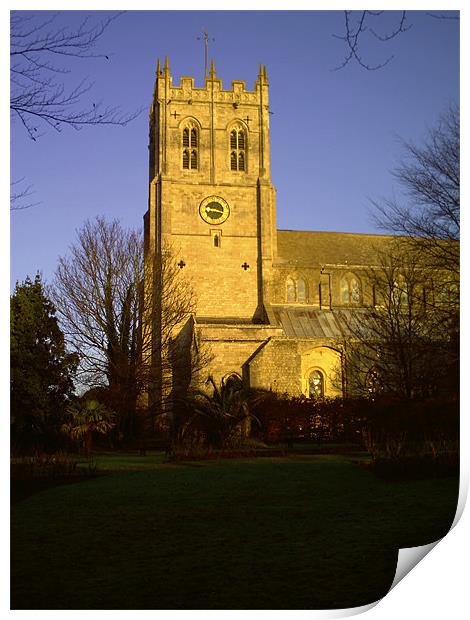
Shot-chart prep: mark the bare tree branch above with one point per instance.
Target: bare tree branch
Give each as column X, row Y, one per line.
column 429, row 213
column 353, row 35
column 356, row 31
column 19, row 196
column 442, row 16
column 101, row 299
column 406, row 344
column 38, row 98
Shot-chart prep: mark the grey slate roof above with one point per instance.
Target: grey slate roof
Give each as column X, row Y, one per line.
column 315, row 323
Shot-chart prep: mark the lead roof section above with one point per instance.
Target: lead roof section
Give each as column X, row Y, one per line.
column 316, row 323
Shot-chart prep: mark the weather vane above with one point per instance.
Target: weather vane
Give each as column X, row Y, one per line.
column 205, row 37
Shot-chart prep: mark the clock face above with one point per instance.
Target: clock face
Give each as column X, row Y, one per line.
column 214, row 210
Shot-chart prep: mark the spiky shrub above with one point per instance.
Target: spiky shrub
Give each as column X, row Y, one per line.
column 86, row 418
column 217, row 419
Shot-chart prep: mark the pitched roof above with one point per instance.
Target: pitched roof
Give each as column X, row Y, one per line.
column 320, row 248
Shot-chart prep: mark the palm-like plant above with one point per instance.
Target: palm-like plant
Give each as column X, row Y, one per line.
column 223, row 416
column 85, row 418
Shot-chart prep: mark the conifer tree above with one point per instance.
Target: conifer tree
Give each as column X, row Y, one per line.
column 41, row 368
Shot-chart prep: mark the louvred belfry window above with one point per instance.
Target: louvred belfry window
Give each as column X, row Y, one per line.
column 233, row 161
column 238, row 150
column 190, row 141
column 233, row 139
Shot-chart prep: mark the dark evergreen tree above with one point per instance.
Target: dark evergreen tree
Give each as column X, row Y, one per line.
column 41, row 369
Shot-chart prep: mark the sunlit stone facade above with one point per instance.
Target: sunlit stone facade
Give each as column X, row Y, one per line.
column 265, row 297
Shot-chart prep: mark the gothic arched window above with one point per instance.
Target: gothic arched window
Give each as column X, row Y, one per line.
column 185, row 136
column 400, row 291
column 190, row 142
column 351, row 294
column 290, row 290
column 316, row 385
column 296, row 290
column 238, row 149
column 301, row 291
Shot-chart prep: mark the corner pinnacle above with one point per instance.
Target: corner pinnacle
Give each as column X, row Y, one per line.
column 212, row 73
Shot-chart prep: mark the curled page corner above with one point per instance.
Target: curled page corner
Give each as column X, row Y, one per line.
column 408, row 557
column 343, row 613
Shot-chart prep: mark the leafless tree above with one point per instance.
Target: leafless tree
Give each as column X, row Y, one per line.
column 405, row 344
column 429, row 213
column 20, row 196
column 409, row 341
column 39, row 96
column 359, row 24
column 98, row 291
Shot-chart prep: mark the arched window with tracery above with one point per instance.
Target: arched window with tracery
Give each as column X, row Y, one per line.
column 316, row 385
column 238, row 149
column 190, row 142
column 351, row 292
column 400, row 291
column 296, row 290
column 290, row 291
column 301, row 291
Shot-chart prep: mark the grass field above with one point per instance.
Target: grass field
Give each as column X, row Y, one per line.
column 304, row 532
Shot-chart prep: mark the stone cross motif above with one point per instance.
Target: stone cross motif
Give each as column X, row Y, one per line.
column 175, row 114
column 181, row 264
column 247, row 119
column 245, row 266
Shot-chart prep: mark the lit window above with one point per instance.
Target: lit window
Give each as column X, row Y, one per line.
column 316, row 385
column 374, row 383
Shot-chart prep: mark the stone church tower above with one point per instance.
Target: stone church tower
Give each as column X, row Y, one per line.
column 211, row 198
column 272, row 305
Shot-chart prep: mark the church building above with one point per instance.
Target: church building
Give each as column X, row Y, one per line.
column 267, row 299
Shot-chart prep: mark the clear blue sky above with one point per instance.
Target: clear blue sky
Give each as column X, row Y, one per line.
column 334, row 134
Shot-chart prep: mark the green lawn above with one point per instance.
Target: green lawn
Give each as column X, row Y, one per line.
column 304, row 532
